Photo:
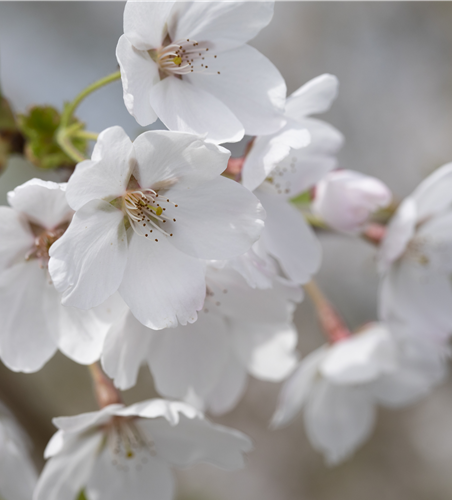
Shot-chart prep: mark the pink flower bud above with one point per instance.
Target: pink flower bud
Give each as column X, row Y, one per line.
column 345, row 199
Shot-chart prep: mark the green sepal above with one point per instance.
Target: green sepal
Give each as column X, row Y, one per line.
column 39, row 127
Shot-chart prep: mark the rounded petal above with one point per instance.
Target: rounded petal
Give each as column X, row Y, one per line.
column 338, row 419
column 43, row 202
column 399, row 232
column 290, row 239
column 66, row 474
column 269, row 151
column 138, row 74
column 127, row 346
column 145, row 23
column 226, row 25
column 434, row 194
column 79, row 423
column 27, row 308
column 106, row 175
column 314, row 97
column 249, row 85
column 195, row 440
column 133, row 479
column 16, row 238
column 167, row 158
column 217, row 220
column 296, row 389
column 230, row 387
column 361, row 358
column 189, row 108
column 199, row 352
column 87, row 263
column 268, row 351
column 161, row 285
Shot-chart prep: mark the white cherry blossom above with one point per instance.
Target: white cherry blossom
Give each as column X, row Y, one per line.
column 345, row 199
column 338, row 387
column 34, row 323
column 281, row 166
column 415, row 260
column 240, row 331
column 147, row 214
column 18, row 475
column 188, row 64
column 127, row 452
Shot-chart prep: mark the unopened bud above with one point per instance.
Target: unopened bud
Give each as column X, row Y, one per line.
column 345, row 199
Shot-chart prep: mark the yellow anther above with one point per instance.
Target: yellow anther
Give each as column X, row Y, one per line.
column 157, row 210
column 177, row 60
column 130, row 454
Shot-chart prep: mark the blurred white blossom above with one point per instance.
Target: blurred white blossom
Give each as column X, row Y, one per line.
column 127, row 452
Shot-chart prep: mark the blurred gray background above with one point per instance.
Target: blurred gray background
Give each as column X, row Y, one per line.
column 395, row 108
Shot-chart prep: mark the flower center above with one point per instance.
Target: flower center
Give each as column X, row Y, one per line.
column 183, row 57
column 43, row 241
column 129, row 447
column 147, row 211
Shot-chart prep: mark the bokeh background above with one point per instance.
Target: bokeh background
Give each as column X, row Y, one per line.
column 395, row 109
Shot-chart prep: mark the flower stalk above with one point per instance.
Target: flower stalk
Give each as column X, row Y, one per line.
column 332, row 324
column 106, row 392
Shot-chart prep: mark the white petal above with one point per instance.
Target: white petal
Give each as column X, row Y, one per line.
column 435, row 236
column 412, row 294
column 195, row 440
column 28, row 336
column 145, row 23
column 43, row 202
column 127, row 345
column 66, row 474
column 82, row 333
column 434, row 194
column 421, row 367
column 230, row 295
column 314, row 97
column 230, row 387
column 171, row 411
column 399, row 232
column 268, row 351
column 199, row 351
column 361, row 358
column 79, row 423
column 338, row 419
column 16, row 238
column 249, row 85
column 166, row 158
column 289, row 238
column 161, row 285
column 225, row 24
column 297, row 388
column 107, row 174
column 87, row 263
column 132, row 479
column 138, row 74
column 269, row 151
column 217, row 220
column 185, row 107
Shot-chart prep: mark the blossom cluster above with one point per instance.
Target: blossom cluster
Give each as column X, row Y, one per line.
column 164, row 251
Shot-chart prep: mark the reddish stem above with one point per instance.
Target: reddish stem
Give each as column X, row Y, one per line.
column 374, row 233
column 332, row 324
column 106, row 392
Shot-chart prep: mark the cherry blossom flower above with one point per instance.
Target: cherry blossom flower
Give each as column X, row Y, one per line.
column 240, row 331
column 127, row 452
column 345, row 199
column 34, row 323
column 188, row 64
column 147, row 214
column 281, row 166
column 18, row 475
column 338, row 387
column 415, row 260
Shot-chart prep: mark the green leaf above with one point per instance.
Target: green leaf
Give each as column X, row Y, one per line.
column 302, row 199
column 39, row 128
